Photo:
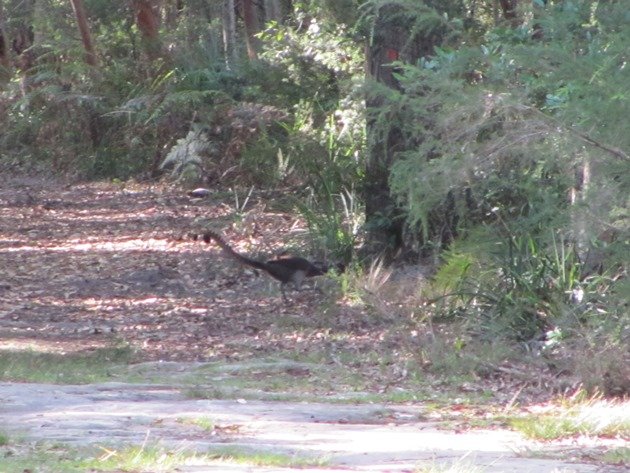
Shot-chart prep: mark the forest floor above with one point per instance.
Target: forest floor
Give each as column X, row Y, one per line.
column 86, row 263
column 88, row 267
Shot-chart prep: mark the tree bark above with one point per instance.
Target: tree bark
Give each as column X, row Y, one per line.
column 148, row 22
column 84, row 29
column 173, row 11
column 277, row 10
column 250, row 18
column 510, row 13
column 382, row 216
column 390, row 42
column 5, row 59
column 21, row 45
column 229, row 33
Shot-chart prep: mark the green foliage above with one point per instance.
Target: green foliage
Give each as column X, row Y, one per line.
column 125, row 116
column 328, row 161
column 263, row 162
column 453, row 271
column 516, row 156
column 186, row 157
column 316, row 60
column 486, row 127
column 112, row 120
column 333, row 222
column 517, row 286
column 325, row 139
column 513, row 290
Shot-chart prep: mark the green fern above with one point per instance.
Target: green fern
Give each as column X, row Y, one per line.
column 186, row 156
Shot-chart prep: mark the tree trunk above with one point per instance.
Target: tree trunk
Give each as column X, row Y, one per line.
column 277, row 10
column 173, row 11
column 82, row 23
column 390, row 42
column 272, row 10
column 148, row 22
column 382, row 216
column 21, row 44
column 250, row 17
column 5, row 59
column 229, row 33
column 510, row 13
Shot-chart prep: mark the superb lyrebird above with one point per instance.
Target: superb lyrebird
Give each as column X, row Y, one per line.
column 292, row 269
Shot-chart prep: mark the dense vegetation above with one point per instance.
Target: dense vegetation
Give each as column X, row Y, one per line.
column 500, row 137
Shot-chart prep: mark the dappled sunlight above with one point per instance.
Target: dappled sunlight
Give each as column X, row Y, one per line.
column 385, row 236
column 88, row 267
column 36, row 344
column 113, row 246
column 112, row 304
column 133, row 282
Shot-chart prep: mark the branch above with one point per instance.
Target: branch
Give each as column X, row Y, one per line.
column 610, row 149
column 618, row 153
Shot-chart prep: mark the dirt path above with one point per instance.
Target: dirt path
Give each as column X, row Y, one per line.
column 353, row 438
column 81, row 265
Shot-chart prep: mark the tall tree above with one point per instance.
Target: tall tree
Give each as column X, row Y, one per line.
column 173, row 10
column 250, row 18
column 148, row 21
column 382, row 220
column 84, row 29
column 5, row 60
column 395, row 37
column 510, row 11
column 21, row 44
column 229, row 32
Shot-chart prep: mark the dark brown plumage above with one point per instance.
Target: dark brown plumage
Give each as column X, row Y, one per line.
column 286, row 270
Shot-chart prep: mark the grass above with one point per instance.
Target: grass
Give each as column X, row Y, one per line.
column 204, row 423
column 62, row 368
column 159, row 459
column 44, row 457
column 458, row 466
column 548, row 428
column 264, row 458
column 146, row 458
column 617, row 456
column 40, row 458
column 593, row 417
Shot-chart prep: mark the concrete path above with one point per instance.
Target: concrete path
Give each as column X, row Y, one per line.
column 371, row 438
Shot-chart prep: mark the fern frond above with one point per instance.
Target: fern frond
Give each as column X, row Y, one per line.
column 188, row 151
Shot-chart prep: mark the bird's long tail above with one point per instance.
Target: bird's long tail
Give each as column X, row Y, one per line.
column 227, row 249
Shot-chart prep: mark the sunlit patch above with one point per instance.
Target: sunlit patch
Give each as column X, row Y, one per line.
column 584, row 419
column 115, row 303
column 37, row 345
column 76, row 245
